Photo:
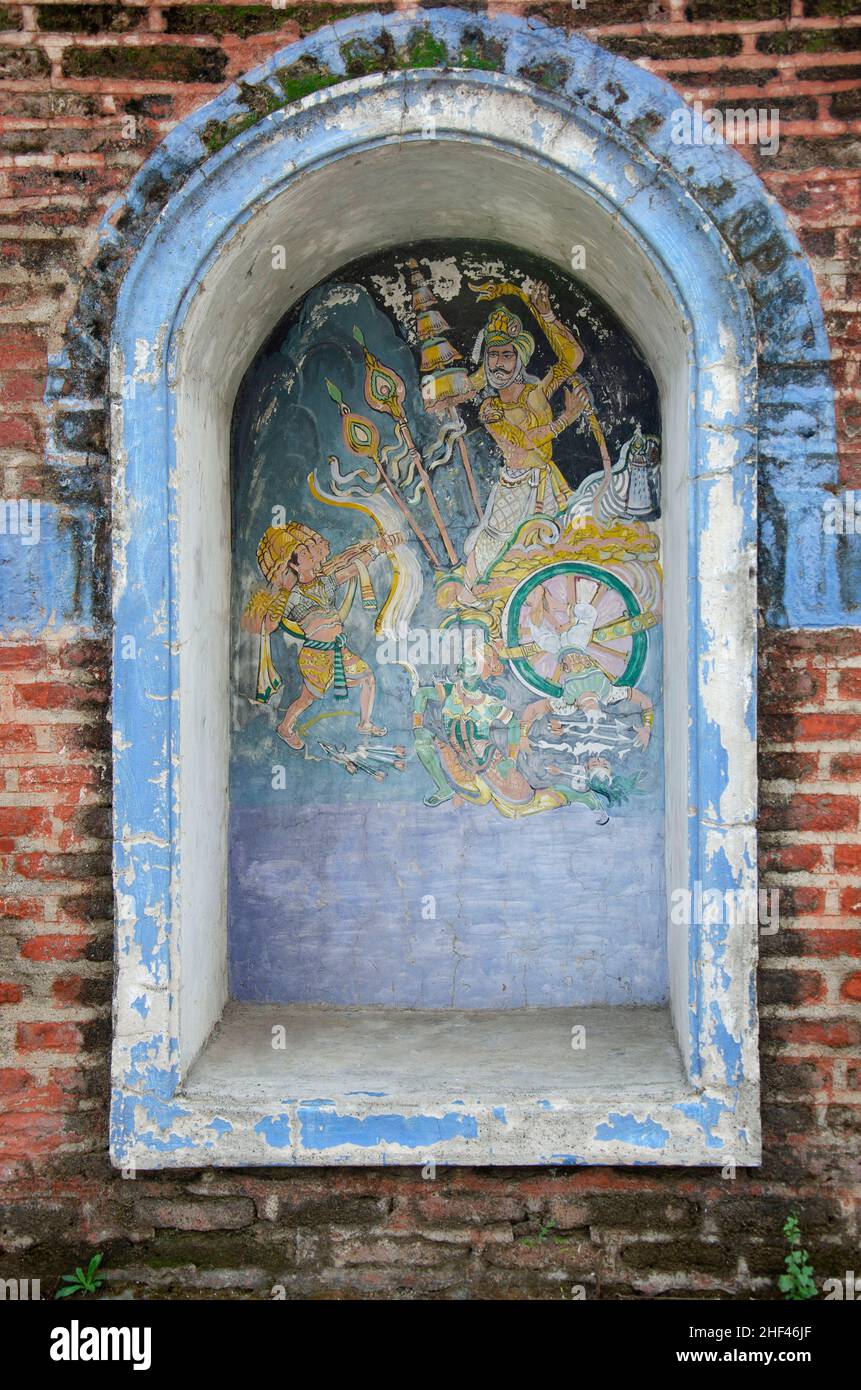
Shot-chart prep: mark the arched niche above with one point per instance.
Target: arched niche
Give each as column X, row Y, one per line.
column 357, row 167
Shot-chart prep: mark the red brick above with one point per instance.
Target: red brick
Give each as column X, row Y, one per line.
column 67, row 990
column 811, row 813
column 789, row 859
column 24, row 820
column 846, row 767
column 820, row 728
column 56, row 947
column 48, row 1037
column 19, row 658
column 70, row 777
column 17, row 432
column 48, row 695
column 789, row 767
column 22, row 909
column 850, row 901
column 781, row 687
column 14, row 1081
column 17, row 738
column 851, row 987
column 835, row 942
column 849, row 684
column 10, row 993
column 20, row 386
column 847, row 858
column 24, row 1133
column 832, row 1032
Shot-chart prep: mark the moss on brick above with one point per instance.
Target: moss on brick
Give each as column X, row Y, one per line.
column 565, row 16
column 161, row 63
column 479, row 51
column 248, row 20
column 362, row 56
column 810, row 41
column 738, row 9
column 789, row 108
column 724, row 77
column 550, row 75
column 847, row 104
column 259, row 99
column 9, row 18
column 683, row 46
column 88, row 19
column 646, row 125
column 844, row 153
column 305, row 76
column 218, row 20
column 18, row 64
column 424, row 50
column 822, row 9
column 851, row 72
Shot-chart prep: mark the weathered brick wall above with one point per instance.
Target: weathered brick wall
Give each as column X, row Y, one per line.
column 72, row 75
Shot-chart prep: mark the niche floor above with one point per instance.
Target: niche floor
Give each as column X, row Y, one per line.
column 473, row 1054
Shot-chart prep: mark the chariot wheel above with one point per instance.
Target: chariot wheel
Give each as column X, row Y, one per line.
column 618, row 642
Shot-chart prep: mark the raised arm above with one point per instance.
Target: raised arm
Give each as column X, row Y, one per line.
column 566, row 349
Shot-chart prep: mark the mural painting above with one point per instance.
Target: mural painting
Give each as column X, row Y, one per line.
column 448, row 597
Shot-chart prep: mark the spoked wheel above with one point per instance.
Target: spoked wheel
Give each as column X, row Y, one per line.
column 609, row 624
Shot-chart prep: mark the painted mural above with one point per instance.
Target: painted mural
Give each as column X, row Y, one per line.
column 446, row 776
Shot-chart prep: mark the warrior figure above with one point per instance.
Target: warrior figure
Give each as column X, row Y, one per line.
column 303, row 598
column 517, row 413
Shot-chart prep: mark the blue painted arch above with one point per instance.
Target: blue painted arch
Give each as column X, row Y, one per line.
column 695, row 220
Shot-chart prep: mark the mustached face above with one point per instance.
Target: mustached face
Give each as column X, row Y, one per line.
column 502, row 366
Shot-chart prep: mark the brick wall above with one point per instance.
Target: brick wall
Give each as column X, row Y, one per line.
column 72, row 76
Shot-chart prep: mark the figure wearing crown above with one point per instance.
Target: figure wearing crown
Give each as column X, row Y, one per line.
column 303, row 599
column 518, row 414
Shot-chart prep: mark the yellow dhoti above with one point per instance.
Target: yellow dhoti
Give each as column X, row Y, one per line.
column 318, row 668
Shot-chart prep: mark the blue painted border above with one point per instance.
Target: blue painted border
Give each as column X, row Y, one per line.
column 713, row 293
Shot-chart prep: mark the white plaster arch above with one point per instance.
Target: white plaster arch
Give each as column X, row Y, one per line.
column 360, row 166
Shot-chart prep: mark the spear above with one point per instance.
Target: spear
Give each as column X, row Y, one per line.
column 443, row 384
column 385, row 391
column 362, row 438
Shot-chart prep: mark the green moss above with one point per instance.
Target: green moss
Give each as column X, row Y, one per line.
column 820, row 9
column 646, row 125
column 261, row 102
column 313, row 16
column 425, row 51
column 550, row 75
column 161, row 63
column 477, row 51
column 362, row 56
column 810, row 41
column 23, row 63
column 846, row 104
column 87, row 19
column 259, row 98
column 698, row 10
column 305, row 76
column 671, row 46
column 244, row 20
column 248, row 20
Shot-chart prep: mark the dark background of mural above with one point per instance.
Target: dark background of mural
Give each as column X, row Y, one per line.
column 328, row 876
